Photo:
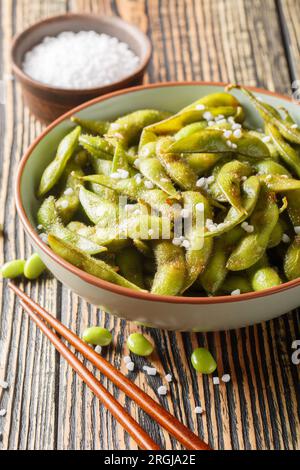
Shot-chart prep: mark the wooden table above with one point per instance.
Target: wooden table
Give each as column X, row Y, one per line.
column 48, row 407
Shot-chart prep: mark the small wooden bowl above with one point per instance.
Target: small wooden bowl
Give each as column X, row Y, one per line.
column 46, row 102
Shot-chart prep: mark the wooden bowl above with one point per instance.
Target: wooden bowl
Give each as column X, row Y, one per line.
column 47, row 102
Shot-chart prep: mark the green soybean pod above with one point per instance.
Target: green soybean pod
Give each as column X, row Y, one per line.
column 55, row 169
column 171, row 268
column 13, row 268
column 291, row 263
column 189, row 129
column 139, row 345
column 97, row 335
column 265, row 278
column 236, row 281
column 89, row 125
column 203, row 361
column 34, row 267
column 130, row 262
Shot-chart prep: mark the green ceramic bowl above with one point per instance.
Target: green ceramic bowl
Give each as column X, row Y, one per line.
column 173, row 313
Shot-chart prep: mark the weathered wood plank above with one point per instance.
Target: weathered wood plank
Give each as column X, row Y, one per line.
column 289, row 11
column 48, row 406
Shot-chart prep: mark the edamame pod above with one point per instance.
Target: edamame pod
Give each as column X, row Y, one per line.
column 89, row 125
column 55, row 169
column 48, row 217
column 216, row 270
column 271, row 115
column 235, row 282
column 170, row 275
column 179, row 170
column 270, row 167
column 276, row 235
column 293, row 198
column 174, row 123
column 215, row 273
column 143, row 247
column 120, row 161
column 199, row 249
column 264, row 278
column 176, row 167
column 280, row 183
column 214, row 100
column 93, row 266
column 97, row 146
column 130, row 262
column 290, row 156
column 250, row 193
column 128, row 128
column 201, row 162
column 103, row 213
column 229, row 180
column 291, row 263
column 189, row 129
column 153, row 170
column 215, row 141
column 252, row 247
column 68, row 202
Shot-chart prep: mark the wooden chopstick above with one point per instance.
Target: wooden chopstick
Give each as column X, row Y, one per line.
column 183, row 434
column 143, row 440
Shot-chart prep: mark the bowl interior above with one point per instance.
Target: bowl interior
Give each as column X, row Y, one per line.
column 112, row 26
column 171, row 98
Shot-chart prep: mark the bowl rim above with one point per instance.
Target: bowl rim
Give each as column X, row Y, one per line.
column 29, row 81
column 125, row 291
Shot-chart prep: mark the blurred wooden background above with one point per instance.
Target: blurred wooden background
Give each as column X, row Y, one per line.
column 254, row 42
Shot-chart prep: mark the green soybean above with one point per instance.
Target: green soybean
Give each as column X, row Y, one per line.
column 97, row 335
column 34, row 267
column 203, row 361
column 139, row 345
column 13, row 268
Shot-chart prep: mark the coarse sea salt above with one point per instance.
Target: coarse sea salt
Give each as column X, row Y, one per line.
column 3, row 384
column 236, row 292
column 150, row 370
column 285, row 238
column 162, row 390
column 98, row 349
column 129, row 366
column 80, row 60
column 68, row 191
column 226, row 378
column 198, row 410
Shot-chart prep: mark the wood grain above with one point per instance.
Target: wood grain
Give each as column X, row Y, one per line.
column 47, row 406
column 289, row 11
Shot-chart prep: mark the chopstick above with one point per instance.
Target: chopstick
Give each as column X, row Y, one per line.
column 183, row 434
column 143, row 440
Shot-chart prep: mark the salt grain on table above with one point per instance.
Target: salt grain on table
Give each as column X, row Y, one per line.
column 162, row 390
column 3, row 384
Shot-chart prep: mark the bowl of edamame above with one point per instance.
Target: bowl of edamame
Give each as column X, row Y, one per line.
column 173, row 205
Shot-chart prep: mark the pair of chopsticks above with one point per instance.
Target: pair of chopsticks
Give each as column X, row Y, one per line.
column 184, row 435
